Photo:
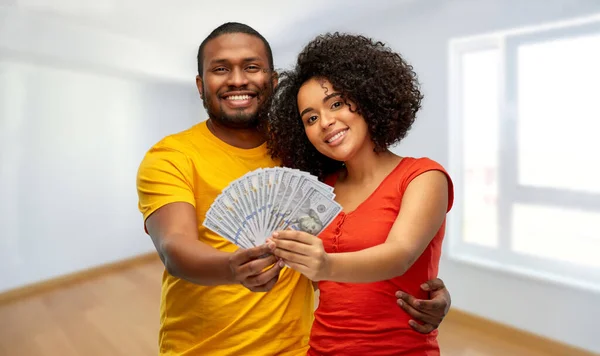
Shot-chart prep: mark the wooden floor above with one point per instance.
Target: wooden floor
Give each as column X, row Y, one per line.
column 116, row 314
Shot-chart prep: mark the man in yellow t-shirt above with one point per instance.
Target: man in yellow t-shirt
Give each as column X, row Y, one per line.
column 217, row 299
column 189, row 170
column 209, row 302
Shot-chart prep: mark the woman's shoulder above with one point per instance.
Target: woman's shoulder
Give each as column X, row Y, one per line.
column 414, row 167
column 411, row 167
column 416, row 163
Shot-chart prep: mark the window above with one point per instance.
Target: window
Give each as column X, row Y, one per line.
column 525, row 151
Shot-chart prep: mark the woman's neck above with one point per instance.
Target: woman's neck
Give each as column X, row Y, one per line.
column 368, row 166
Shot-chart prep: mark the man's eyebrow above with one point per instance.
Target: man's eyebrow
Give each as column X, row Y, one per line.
column 245, row 60
column 327, row 97
column 218, row 61
column 252, row 59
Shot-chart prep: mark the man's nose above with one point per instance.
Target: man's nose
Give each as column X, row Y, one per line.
column 237, row 78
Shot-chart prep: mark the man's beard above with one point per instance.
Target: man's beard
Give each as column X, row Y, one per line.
column 241, row 119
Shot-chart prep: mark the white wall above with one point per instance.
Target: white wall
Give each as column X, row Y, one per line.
column 72, row 43
column 420, row 30
column 78, row 109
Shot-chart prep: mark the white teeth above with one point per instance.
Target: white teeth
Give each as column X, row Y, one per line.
column 238, row 97
column 338, row 135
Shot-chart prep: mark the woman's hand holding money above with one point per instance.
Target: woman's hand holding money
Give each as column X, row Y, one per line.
column 302, row 252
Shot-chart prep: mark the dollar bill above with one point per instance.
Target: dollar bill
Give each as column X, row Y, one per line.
column 250, row 208
column 313, row 214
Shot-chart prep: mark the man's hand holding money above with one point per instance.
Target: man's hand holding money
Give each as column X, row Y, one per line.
column 249, row 267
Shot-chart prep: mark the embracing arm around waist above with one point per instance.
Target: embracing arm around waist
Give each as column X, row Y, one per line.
column 174, row 232
column 424, row 207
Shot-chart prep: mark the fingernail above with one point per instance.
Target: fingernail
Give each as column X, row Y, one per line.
column 400, row 302
column 275, row 234
column 425, row 286
column 417, row 304
column 281, row 263
column 271, row 245
column 398, row 294
column 412, row 322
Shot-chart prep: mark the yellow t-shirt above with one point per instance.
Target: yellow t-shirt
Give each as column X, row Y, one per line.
column 194, row 166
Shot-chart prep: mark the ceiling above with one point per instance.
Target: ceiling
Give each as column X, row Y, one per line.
column 149, row 37
column 182, row 22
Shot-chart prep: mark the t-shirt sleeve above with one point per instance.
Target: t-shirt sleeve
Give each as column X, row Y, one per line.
column 422, row 165
column 164, row 176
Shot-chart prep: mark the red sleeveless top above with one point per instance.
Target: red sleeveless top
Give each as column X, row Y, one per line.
column 364, row 319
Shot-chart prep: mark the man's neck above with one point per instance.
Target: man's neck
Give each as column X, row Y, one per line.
column 241, row 138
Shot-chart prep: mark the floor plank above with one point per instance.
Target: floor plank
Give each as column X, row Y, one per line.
column 117, row 314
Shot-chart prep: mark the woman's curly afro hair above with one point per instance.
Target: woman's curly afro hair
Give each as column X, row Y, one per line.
column 383, row 86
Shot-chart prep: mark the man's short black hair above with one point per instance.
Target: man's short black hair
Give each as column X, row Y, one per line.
column 232, row 27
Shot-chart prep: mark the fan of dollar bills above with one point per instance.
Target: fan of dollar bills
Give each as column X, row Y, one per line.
column 255, row 205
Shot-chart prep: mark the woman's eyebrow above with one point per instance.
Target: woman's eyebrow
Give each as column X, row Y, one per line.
column 327, row 97
column 305, row 111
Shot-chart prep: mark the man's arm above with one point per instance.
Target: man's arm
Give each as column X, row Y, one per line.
column 173, row 229
column 166, row 199
column 427, row 314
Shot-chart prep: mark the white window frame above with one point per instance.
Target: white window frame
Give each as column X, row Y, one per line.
column 510, row 191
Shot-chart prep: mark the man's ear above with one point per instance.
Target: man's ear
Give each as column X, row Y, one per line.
column 275, row 79
column 199, row 85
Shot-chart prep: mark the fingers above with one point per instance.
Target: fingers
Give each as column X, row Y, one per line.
column 422, row 310
column 427, row 319
column 248, row 268
column 264, row 281
column 434, row 306
column 300, row 268
column 263, row 287
column 291, row 251
column 302, row 252
column 423, row 329
column 292, row 257
column 433, row 285
column 407, row 298
column 264, row 277
column 292, row 246
column 428, row 314
column 298, row 236
column 243, row 256
column 254, row 267
column 439, row 295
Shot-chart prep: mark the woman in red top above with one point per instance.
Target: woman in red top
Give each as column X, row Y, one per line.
column 335, row 115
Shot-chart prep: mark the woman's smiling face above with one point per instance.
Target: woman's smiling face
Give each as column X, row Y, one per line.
column 331, row 123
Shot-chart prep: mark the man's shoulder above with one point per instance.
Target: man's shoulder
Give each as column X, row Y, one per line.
column 185, row 141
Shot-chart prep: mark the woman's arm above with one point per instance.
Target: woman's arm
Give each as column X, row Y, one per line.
column 424, row 207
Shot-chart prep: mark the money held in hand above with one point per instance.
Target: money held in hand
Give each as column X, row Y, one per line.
column 255, row 205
